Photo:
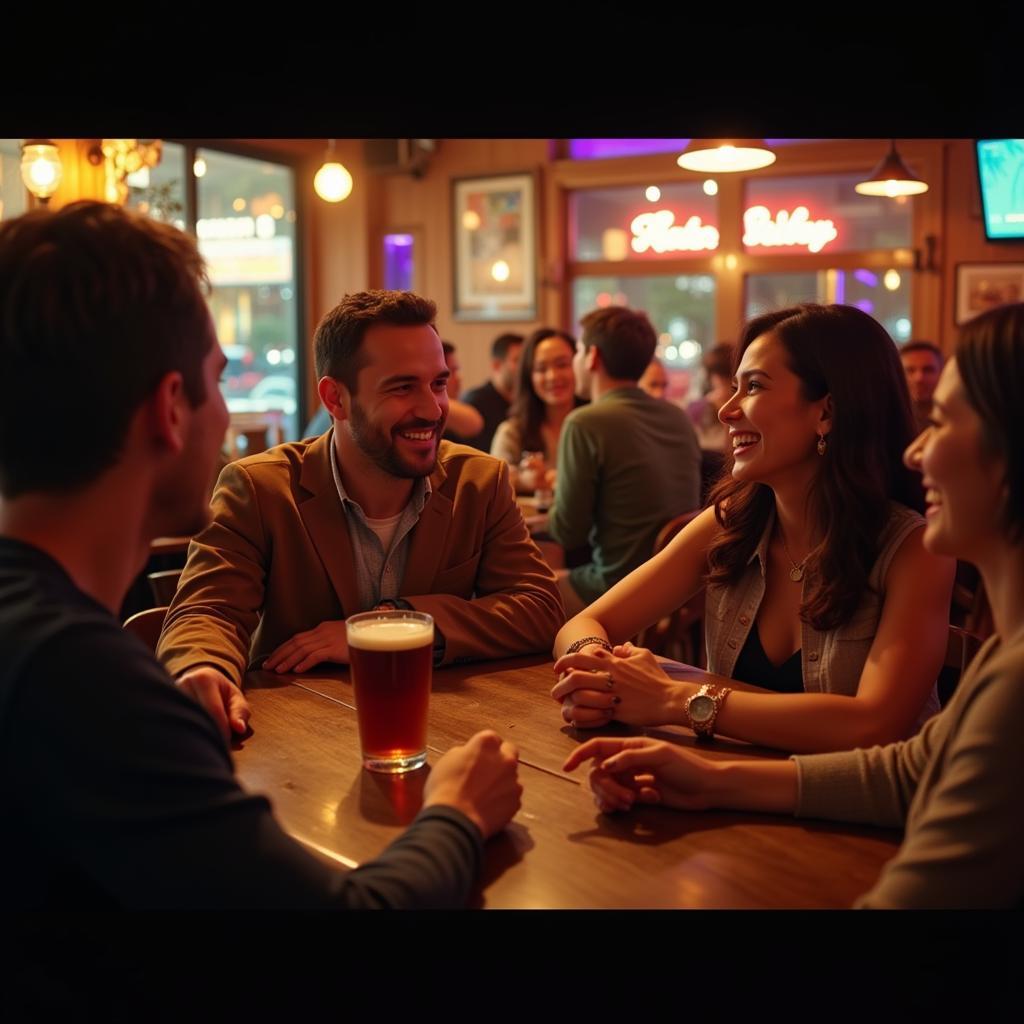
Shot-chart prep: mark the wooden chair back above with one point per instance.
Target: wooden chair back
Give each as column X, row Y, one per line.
column 147, row 625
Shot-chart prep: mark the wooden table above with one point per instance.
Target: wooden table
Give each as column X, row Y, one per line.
column 169, row 545
column 559, row 851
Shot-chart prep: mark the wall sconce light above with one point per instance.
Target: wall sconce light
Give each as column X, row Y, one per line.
column 41, row 169
column 891, row 178
column 722, row 156
column 332, row 182
column 123, row 157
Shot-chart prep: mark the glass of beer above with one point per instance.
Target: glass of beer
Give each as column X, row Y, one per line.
column 391, row 654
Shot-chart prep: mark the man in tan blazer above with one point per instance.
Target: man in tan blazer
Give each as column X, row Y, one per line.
column 378, row 512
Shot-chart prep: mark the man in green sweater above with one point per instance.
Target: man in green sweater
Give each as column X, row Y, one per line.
column 627, row 463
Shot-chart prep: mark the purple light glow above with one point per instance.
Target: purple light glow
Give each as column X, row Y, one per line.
column 599, row 149
column 865, row 305
column 840, row 287
column 867, row 278
column 398, row 262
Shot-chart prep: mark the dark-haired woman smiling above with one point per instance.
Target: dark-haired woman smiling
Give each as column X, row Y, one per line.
column 544, row 397
column 955, row 787
column 818, row 585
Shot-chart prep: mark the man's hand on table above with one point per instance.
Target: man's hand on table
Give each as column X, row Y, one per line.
column 327, row 642
column 222, row 700
column 478, row 778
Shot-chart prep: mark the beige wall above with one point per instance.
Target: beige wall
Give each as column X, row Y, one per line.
column 342, row 241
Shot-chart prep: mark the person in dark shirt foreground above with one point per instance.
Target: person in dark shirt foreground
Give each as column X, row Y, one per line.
column 118, row 786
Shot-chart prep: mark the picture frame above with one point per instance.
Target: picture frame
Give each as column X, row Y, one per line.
column 494, row 247
column 981, row 286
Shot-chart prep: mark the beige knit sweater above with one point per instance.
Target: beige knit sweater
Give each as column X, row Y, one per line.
column 957, row 787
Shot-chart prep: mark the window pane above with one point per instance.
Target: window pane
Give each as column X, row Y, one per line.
column 821, row 213
column 681, row 308
column 885, row 295
column 160, row 191
column 246, row 230
column 13, row 194
column 642, row 223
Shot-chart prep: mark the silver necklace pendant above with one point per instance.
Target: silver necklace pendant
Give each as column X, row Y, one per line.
column 796, row 574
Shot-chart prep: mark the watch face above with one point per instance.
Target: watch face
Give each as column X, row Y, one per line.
column 701, row 708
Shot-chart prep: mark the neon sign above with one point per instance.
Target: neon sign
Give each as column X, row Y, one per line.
column 656, row 231
column 787, row 228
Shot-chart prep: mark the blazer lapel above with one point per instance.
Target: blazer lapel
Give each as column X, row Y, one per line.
column 426, row 545
column 325, row 522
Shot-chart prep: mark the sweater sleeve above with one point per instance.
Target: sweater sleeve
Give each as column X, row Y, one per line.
column 964, row 846
column 572, row 516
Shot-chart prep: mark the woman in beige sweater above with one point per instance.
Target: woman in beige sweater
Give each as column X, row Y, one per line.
column 956, row 786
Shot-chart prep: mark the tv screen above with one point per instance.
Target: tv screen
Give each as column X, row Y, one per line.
column 1001, row 181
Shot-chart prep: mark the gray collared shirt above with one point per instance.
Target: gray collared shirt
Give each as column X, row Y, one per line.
column 378, row 572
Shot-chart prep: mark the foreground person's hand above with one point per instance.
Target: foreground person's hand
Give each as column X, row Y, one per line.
column 222, row 700
column 327, row 642
column 638, row 769
column 627, row 685
column 478, row 778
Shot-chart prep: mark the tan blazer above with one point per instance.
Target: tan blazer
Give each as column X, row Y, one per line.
column 277, row 560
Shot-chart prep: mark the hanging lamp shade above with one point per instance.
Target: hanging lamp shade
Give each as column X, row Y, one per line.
column 721, row 156
column 891, row 178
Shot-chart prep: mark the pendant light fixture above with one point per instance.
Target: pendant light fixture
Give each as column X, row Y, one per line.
column 723, row 156
column 41, row 169
column 891, row 178
column 332, row 182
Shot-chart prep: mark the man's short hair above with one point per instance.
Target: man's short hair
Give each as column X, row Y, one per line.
column 624, row 337
column 97, row 304
column 339, row 336
column 502, row 343
column 919, row 345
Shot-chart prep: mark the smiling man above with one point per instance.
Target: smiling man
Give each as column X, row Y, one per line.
column 378, row 512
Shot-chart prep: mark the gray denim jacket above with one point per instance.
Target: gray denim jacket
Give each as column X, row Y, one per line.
column 832, row 661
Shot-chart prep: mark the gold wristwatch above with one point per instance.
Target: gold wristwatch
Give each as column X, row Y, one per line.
column 703, row 707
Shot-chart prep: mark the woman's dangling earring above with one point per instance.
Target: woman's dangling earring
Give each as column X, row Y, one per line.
column 822, row 445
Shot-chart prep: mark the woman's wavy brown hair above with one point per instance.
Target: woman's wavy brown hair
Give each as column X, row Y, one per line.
column 842, row 352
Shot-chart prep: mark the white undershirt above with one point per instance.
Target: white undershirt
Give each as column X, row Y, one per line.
column 385, row 530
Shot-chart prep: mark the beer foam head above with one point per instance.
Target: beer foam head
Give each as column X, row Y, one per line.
column 390, row 634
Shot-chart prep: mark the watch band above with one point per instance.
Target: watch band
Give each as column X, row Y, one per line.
column 717, row 695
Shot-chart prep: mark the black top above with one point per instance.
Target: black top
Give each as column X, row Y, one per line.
column 488, row 401
column 753, row 666
column 119, row 790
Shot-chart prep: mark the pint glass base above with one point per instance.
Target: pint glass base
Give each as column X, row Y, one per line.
column 395, row 765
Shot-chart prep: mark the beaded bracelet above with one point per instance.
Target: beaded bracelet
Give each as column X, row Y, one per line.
column 583, row 641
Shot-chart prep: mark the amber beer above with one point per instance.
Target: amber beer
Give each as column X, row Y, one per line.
column 391, row 654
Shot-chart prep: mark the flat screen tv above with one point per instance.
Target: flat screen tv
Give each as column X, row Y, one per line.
column 1001, row 182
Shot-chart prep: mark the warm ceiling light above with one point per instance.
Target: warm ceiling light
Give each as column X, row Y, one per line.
column 891, row 178
column 332, row 182
column 718, row 156
column 41, row 169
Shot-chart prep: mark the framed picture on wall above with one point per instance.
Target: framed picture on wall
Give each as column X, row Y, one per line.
column 980, row 286
column 494, row 226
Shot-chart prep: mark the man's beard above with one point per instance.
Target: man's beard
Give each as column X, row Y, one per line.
column 381, row 449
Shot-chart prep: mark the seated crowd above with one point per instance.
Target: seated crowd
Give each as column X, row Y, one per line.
column 827, row 590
